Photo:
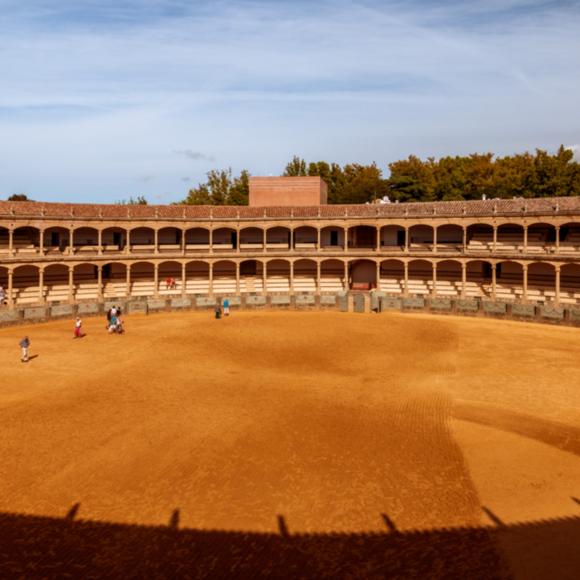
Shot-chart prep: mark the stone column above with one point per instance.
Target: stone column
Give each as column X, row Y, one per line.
column 71, row 284
column 346, row 287
column 378, row 238
column 99, row 282
column 557, row 285
column 237, row 241
column 291, row 277
column 41, row 245
column 346, row 239
column 156, row 241
column 318, row 277
column 291, row 248
column 525, row 239
column 183, row 233
column 435, row 239
column 378, row 276
column 10, row 289
column 525, row 276
column 557, row 239
column 494, row 238
column 318, row 242
column 71, row 245
column 128, row 281
column 434, row 290
column 183, row 280
column 210, row 287
column 41, row 285
column 11, row 242
column 156, row 279
column 463, row 278
column 464, row 239
column 264, row 240
column 406, row 287
column 211, row 242
column 128, row 248
column 264, row 278
column 237, row 277
column 406, row 239
column 493, row 280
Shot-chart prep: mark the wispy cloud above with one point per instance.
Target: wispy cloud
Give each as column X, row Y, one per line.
column 96, row 92
column 193, row 155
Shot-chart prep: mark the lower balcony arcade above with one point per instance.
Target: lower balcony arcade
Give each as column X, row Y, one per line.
column 508, row 280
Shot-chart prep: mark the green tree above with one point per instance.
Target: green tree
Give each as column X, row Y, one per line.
column 139, row 200
column 221, row 188
column 19, row 197
column 296, row 167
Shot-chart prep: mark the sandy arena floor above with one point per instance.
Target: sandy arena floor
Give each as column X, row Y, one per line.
column 328, row 419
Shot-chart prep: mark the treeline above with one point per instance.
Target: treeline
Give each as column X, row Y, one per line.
column 449, row 178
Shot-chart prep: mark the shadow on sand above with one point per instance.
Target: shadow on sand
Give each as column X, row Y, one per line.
column 46, row 547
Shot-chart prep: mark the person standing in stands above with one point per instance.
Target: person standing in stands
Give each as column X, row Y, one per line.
column 24, row 345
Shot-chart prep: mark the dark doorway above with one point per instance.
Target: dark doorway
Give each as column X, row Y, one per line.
column 334, row 238
column 117, row 240
column 234, row 240
column 400, row 237
column 248, row 268
column 55, row 239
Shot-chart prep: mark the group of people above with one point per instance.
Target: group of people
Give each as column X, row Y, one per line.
column 222, row 307
column 114, row 321
column 2, row 295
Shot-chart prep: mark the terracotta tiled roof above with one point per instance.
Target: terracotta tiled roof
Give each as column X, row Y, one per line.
column 509, row 207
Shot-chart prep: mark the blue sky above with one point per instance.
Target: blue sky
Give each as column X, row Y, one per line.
column 104, row 99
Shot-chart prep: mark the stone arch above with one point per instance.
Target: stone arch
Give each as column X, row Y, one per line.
column 142, row 279
column 114, row 239
column 278, row 238
column 570, row 237
column 224, row 277
column 305, row 274
column 224, row 239
column 570, row 284
column 278, row 276
column 332, row 237
column 420, row 277
column 56, row 240
column 169, row 239
column 479, row 238
column 421, row 237
column 197, row 239
column 448, row 278
column 197, row 277
column 85, row 281
column 305, row 238
column 362, row 274
column 332, row 276
column 450, row 237
column 252, row 238
column 392, row 274
column 478, row 279
column 541, row 237
column 56, row 286
column 362, row 237
column 169, row 280
column 541, row 282
column 510, row 238
column 115, row 280
column 392, row 237
column 251, row 276
column 509, row 280
column 26, row 240
column 85, row 240
column 142, row 239
column 25, row 285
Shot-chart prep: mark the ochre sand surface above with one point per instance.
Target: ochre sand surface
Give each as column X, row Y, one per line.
column 328, row 419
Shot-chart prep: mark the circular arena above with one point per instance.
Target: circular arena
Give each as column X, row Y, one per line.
column 298, row 423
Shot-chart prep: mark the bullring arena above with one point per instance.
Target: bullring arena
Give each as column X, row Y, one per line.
column 332, row 443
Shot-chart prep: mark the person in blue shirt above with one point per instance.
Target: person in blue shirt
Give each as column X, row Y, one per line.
column 226, row 307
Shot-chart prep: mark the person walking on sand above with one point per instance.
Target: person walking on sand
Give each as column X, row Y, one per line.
column 24, row 345
column 218, row 311
column 226, row 307
column 78, row 328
